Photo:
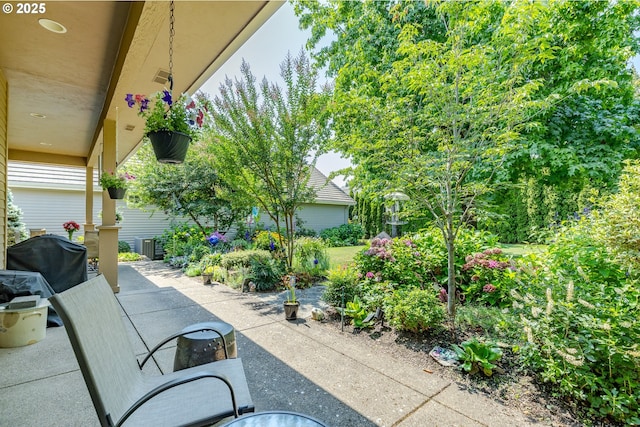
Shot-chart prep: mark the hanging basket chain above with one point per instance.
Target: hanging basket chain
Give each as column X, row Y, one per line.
column 171, row 35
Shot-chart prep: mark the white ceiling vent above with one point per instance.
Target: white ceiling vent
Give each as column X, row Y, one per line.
column 161, row 76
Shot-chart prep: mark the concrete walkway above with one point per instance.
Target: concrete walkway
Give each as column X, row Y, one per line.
column 296, row 366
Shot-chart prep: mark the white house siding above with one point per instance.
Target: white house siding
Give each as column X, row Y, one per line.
column 316, row 217
column 50, row 208
column 50, row 196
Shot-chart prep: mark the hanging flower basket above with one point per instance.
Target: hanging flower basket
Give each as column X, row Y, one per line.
column 116, row 193
column 115, row 183
column 171, row 124
column 169, row 146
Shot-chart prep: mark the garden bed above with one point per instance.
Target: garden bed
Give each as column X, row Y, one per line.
column 512, row 388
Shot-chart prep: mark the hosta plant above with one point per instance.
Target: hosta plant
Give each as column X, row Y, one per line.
column 357, row 312
column 478, row 356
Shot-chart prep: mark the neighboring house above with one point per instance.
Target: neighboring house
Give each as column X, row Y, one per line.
column 330, row 209
column 51, row 195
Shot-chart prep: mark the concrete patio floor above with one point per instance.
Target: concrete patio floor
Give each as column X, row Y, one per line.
column 296, row 366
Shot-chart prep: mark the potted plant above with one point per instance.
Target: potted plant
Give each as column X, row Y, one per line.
column 291, row 304
column 170, row 123
column 115, row 184
column 71, row 227
column 207, row 274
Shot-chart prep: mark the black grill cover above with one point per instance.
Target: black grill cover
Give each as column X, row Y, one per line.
column 61, row 262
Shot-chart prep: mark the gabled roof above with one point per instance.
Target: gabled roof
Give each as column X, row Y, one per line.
column 328, row 192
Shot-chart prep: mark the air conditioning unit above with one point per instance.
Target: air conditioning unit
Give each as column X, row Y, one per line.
column 152, row 249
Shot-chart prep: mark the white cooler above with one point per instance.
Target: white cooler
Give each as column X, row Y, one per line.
column 23, row 326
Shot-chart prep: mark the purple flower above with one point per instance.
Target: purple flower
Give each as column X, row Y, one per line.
column 315, row 261
column 166, row 97
column 247, row 236
column 442, row 295
column 489, row 288
column 493, row 264
column 216, row 238
column 130, row 101
column 272, row 246
column 369, row 275
column 144, row 105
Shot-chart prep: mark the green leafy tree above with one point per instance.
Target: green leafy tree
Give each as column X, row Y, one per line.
column 620, row 218
column 579, row 145
column 193, row 189
column 581, row 50
column 431, row 98
column 265, row 139
column 585, row 46
column 436, row 120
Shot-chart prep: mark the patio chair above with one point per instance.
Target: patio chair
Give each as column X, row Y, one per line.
column 121, row 393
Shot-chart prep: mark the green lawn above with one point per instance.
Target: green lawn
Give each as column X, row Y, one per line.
column 342, row 255
column 521, row 249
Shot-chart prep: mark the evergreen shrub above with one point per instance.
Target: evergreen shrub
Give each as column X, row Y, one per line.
column 416, row 310
column 233, row 260
column 343, row 235
column 342, row 279
column 123, row 247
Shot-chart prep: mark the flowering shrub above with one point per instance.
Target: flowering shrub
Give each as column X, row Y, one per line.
column 71, row 227
column 488, row 277
column 164, row 113
column 375, row 257
column 267, row 240
column 419, row 260
column 184, row 241
column 113, row 180
column 580, row 314
column 215, row 238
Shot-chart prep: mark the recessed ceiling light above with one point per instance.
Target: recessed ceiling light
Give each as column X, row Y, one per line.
column 53, row 26
column 38, row 115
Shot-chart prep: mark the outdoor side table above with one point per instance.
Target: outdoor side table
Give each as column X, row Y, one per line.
column 198, row 348
column 275, row 419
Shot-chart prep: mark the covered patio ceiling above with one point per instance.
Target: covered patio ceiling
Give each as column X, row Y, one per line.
column 63, row 85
